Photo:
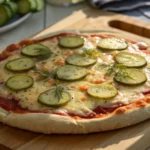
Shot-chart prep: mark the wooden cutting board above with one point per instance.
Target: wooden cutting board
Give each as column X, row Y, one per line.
column 131, row 138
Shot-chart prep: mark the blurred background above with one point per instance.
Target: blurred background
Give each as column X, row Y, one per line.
column 20, row 19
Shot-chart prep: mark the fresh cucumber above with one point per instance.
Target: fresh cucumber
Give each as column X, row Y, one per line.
column 130, row 76
column 71, row 41
column 15, row 0
column 79, row 60
column 112, row 44
column 33, row 5
column 39, row 5
column 50, row 98
column 130, row 59
column 19, row 82
column 70, row 73
column 25, row 6
column 102, row 91
column 5, row 14
column 35, row 50
column 13, row 7
column 2, row 1
column 20, row 64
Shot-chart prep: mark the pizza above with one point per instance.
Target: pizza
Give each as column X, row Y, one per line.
column 73, row 83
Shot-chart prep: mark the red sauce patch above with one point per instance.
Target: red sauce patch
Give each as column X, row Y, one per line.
column 146, row 92
column 26, row 42
column 100, row 110
column 3, row 55
column 142, row 46
column 13, row 47
column 104, row 110
column 8, row 50
column 103, row 35
column 11, row 105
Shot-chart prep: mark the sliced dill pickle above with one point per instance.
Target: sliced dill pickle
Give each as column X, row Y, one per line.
column 19, row 82
column 102, row 91
column 70, row 73
column 79, row 60
column 112, row 44
column 35, row 50
column 50, row 98
column 71, row 41
column 130, row 76
column 130, row 59
column 20, row 64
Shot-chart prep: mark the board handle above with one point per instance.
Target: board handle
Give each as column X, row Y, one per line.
column 132, row 28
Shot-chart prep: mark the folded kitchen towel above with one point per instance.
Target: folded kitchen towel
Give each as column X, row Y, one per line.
column 123, row 5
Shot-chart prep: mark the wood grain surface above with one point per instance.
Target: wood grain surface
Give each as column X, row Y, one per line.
column 131, row 138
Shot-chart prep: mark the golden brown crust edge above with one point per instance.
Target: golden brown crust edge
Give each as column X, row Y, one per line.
column 51, row 123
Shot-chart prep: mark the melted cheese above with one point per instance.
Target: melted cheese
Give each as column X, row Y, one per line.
column 29, row 98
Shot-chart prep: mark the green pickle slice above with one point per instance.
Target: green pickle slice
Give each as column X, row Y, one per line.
column 71, row 41
column 112, row 44
column 35, row 50
column 19, row 82
column 79, row 60
column 130, row 76
column 102, row 91
column 49, row 98
column 20, row 64
column 130, row 59
column 70, row 73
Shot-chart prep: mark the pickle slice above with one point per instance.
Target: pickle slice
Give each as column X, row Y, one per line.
column 112, row 44
column 79, row 60
column 70, row 73
column 102, row 91
column 19, row 82
column 35, row 50
column 20, row 64
column 130, row 59
column 130, row 76
column 71, row 41
column 50, row 98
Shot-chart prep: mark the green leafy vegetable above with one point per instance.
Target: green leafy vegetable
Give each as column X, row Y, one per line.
column 91, row 53
column 114, row 68
column 45, row 74
column 59, row 90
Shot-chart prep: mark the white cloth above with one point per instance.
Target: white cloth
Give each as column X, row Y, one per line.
column 123, row 5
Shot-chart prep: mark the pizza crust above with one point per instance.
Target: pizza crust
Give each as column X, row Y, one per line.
column 3, row 114
column 51, row 123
